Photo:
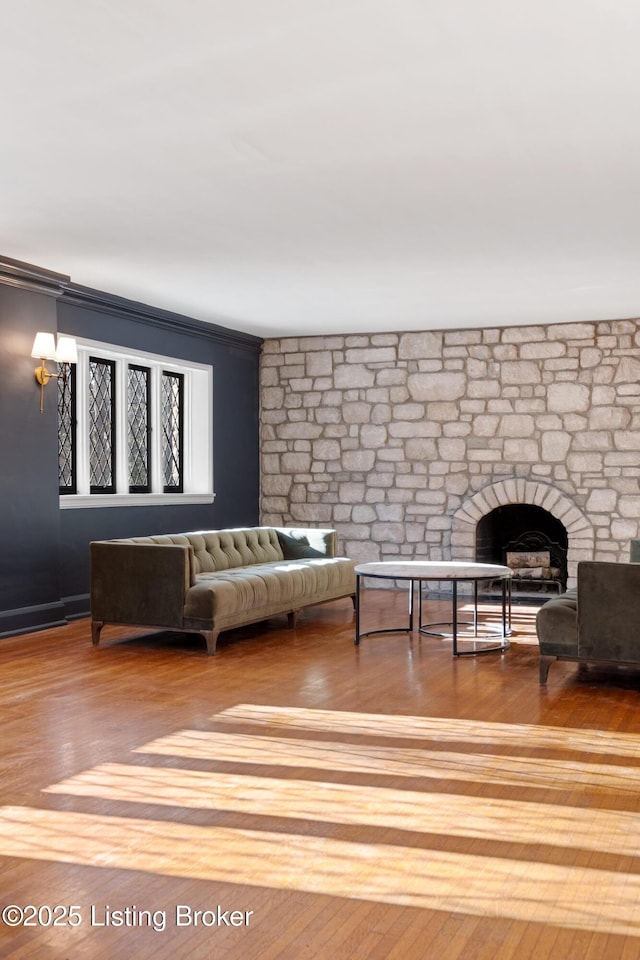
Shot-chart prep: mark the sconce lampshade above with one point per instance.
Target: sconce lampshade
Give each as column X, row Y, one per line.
column 44, row 345
column 44, row 348
column 66, row 350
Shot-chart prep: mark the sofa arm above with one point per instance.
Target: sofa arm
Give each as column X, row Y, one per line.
column 609, row 611
column 139, row 583
column 300, row 542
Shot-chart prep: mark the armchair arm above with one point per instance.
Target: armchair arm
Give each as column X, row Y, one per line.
column 609, row 611
column 139, row 583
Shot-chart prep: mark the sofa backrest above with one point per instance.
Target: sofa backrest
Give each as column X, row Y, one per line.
column 225, row 549
column 608, row 610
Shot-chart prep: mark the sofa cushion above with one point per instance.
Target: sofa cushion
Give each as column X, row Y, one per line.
column 221, row 596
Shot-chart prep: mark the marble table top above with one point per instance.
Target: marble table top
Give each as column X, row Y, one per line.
column 433, row 570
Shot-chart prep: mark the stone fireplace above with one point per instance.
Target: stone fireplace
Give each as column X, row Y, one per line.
column 404, row 442
column 498, row 516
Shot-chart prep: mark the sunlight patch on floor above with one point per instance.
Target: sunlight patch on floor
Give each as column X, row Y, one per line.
column 482, row 886
column 396, row 761
column 444, row 814
column 415, row 869
column 437, row 729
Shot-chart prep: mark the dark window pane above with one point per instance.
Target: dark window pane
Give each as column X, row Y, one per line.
column 172, row 429
column 138, row 428
column 101, row 425
column 67, row 430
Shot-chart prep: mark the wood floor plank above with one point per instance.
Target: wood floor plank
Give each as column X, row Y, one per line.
column 351, row 761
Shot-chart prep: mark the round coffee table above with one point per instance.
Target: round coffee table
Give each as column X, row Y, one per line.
column 455, row 571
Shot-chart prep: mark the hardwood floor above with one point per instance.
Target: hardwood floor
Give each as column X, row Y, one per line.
column 296, row 797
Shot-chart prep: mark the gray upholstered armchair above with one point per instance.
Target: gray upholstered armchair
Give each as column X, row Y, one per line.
column 598, row 621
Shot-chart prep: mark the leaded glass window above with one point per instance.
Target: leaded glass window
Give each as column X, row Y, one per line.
column 66, row 430
column 126, row 419
column 101, row 425
column 172, row 430
column 139, row 428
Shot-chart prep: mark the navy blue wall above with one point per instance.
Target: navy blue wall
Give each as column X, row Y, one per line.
column 29, row 513
column 44, row 557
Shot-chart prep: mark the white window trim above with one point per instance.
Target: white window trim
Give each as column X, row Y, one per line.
column 198, row 430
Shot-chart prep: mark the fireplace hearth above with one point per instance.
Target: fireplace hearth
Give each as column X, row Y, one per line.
column 528, row 539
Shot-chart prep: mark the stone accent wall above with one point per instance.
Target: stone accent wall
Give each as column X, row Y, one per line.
column 402, row 441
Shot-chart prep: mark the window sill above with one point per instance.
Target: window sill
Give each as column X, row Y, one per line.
column 82, row 501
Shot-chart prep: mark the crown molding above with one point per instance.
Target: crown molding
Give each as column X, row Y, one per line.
column 79, row 296
column 26, row 276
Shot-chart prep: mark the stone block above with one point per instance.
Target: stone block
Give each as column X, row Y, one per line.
column 601, row 501
column 628, row 370
column 319, row 363
column 326, row 450
column 358, row 461
column 311, row 513
column 415, row 346
column 272, row 398
column 414, row 428
column 387, row 532
column 276, row 485
column 520, row 372
column 368, row 355
column 624, row 529
column 295, row 463
column 356, row 412
column 437, row 386
column 555, row 445
column 542, row 350
column 381, row 413
column 409, row 411
column 516, row 425
column 350, row 375
column 569, row 397
column 483, row 389
column 626, row 440
column 373, row 436
column 629, row 506
column 421, row 448
column 352, row 493
column 570, row 331
column 452, row 450
column 299, row 430
column 391, row 377
column 390, row 512
column 363, row 513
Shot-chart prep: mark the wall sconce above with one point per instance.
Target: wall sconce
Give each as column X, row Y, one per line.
column 45, row 348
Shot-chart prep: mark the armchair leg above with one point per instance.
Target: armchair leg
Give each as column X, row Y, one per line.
column 292, row 618
column 96, row 627
column 545, row 663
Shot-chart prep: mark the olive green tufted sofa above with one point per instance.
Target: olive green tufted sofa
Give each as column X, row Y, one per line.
column 206, row 582
column 596, row 622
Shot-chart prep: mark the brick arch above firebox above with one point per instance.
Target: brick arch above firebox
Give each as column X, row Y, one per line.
column 580, row 531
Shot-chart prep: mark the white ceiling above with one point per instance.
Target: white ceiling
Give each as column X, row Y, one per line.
column 286, row 166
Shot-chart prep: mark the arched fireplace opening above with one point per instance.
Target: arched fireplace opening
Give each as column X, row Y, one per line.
column 530, row 540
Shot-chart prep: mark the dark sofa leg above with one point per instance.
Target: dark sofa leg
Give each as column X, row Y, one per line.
column 545, row 663
column 96, row 627
column 211, row 637
column 292, row 618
